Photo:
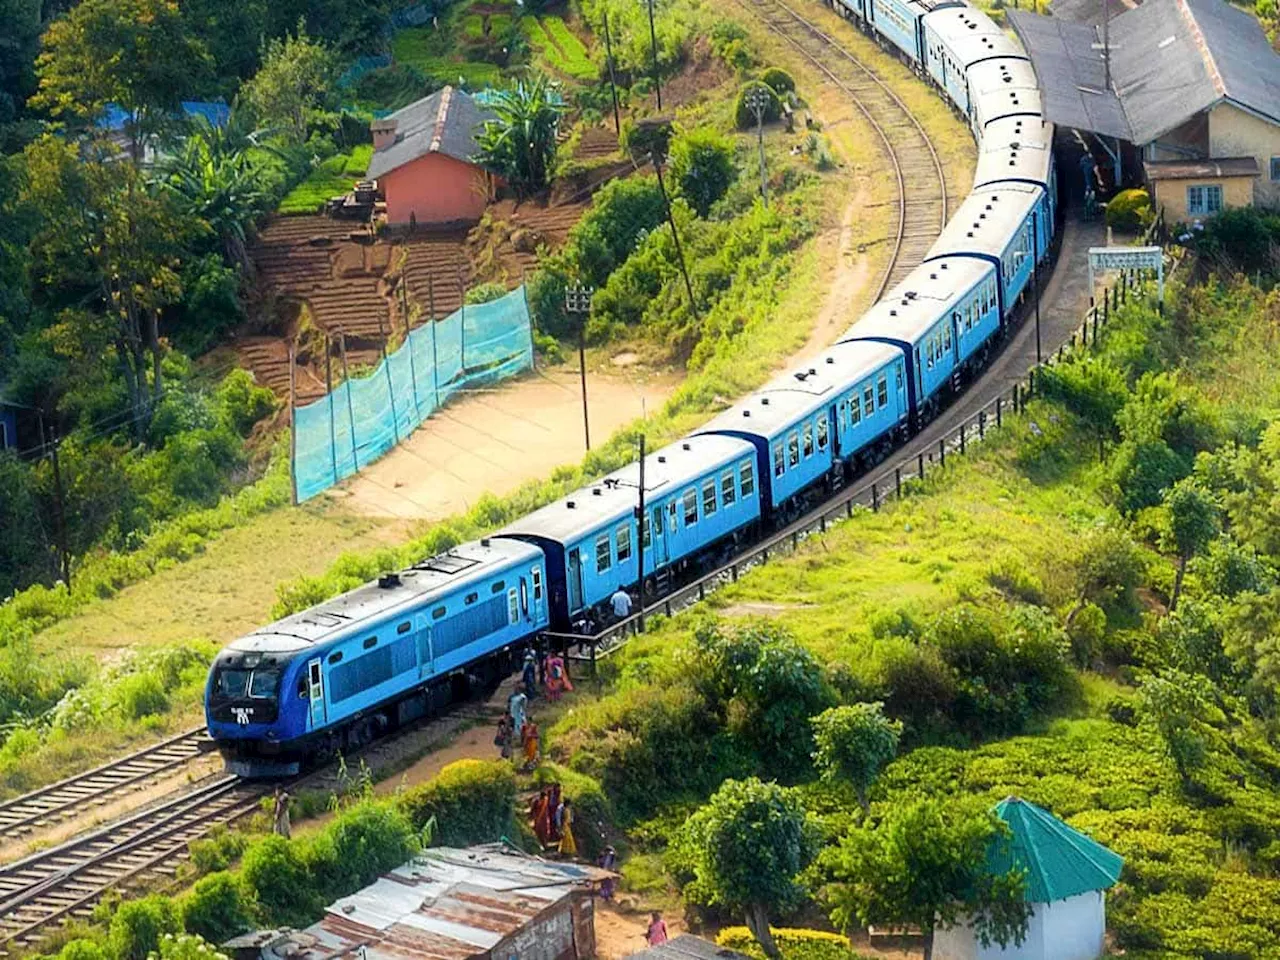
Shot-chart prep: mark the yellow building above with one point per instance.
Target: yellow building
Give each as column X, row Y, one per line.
column 1191, row 87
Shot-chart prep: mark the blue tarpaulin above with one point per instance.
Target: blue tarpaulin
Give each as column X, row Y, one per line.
column 365, row 417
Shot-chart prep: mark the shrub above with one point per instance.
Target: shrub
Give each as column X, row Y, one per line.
column 138, row 925
column 485, row 292
column 593, row 813
column 141, row 695
column 1129, row 210
column 217, row 908
column 217, row 850
column 779, row 80
column 82, row 948
column 732, row 44
column 702, row 164
column 363, row 841
column 744, row 116
column 187, row 947
column 473, row 801
column 241, row 402
column 277, row 876
column 794, row 944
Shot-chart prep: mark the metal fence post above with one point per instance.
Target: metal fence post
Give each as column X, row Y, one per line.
column 962, row 438
column 942, row 451
column 897, row 482
column 999, row 412
column 920, row 465
column 875, row 498
column 982, row 421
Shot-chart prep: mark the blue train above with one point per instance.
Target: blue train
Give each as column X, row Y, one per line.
column 337, row 675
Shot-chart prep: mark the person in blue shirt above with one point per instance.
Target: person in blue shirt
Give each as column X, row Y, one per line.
column 621, row 602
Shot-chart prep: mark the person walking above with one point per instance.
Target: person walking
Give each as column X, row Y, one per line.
column 504, row 737
column 621, row 603
column 564, row 821
column 608, row 861
column 280, row 824
column 529, row 740
column 517, row 705
column 557, row 677
column 657, row 932
column 530, row 675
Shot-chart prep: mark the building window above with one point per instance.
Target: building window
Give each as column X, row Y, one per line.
column 728, row 492
column 746, row 478
column 1275, row 168
column 622, row 539
column 1204, row 200
column 690, row 507
column 604, row 557
column 709, row 498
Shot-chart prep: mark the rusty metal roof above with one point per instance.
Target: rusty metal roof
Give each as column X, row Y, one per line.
column 446, row 904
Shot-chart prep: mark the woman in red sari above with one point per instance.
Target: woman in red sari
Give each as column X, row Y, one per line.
column 557, row 677
column 541, row 812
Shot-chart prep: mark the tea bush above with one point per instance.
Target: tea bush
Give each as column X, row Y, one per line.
column 794, row 944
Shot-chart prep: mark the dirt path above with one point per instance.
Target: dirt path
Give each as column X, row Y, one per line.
column 494, row 441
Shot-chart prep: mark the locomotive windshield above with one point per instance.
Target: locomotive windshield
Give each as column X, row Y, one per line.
column 237, row 684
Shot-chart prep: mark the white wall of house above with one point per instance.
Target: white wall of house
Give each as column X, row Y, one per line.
column 1070, row 929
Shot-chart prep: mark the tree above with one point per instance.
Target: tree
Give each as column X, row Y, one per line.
column 1180, row 707
column 520, row 144
column 1107, row 567
column 702, row 163
column 217, row 908
column 293, row 88
column 748, row 845
column 925, row 864
column 19, row 44
column 1092, row 389
column 854, row 744
column 1192, row 517
column 113, row 246
column 136, row 54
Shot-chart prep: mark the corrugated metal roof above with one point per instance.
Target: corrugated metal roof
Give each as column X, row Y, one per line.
column 1170, row 59
column 447, row 904
column 446, row 122
column 688, row 947
column 1059, row 861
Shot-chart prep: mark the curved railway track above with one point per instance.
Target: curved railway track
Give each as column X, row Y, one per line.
column 64, row 882
column 917, row 168
column 49, row 805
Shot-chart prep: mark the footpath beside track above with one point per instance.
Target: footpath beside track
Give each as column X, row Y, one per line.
column 912, row 157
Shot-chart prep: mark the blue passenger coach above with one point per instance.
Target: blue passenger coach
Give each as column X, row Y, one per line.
column 955, row 39
column 900, row 22
column 808, row 423
column 330, row 677
column 697, row 493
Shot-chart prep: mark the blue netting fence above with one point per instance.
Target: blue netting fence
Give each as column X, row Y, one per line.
column 367, row 416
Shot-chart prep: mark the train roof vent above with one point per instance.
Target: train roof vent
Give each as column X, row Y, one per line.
column 662, row 458
column 831, row 359
column 944, row 265
column 746, row 413
column 685, row 446
column 446, row 563
column 969, row 234
column 813, row 372
column 764, row 401
column 981, row 216
column 801, row 375
column 893, row 313
column 570, row 505
column 388, row 581
column 933, row 276
column 597, row 492
column 484, row 541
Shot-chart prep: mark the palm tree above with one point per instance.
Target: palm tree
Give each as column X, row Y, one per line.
column 521, row 143
column 215, row 182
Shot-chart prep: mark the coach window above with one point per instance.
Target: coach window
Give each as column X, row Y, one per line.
column 335, row 657
column 855, row 410
column 404, row 627
column 370, row 642
column 793, row 449
column 673, row 514
column 868, row 401
column 498, row 587
column 882, row 389
column 779, row 462
column 728, row 493
column 690, row 507
column 822, row 431
column 808, row 440
column 536, row 573
column 946, row 343
column 513, row 606
column 604, row 558
column 897, row 376
column 437, row 613
column 471, row 598
column 622, row 540
column 708, row 498
column 747, row 478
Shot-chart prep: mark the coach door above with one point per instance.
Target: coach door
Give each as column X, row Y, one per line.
column 539, row 602
column 426, row 646
column 315, row 687
column 661, row 556
column 575, row 580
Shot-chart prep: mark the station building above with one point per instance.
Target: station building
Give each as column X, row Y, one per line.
column 424, row 159
column 1182, row 95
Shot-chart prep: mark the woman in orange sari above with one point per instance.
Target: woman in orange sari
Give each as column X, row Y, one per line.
column 557, row 677
column 529, row 738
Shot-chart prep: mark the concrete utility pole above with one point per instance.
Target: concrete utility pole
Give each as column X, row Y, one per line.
column 577, row 302
column 758, row 102
column 1106, row 46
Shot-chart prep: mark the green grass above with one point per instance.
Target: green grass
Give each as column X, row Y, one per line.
column 560, row 47
column 333, row 177
column 417, row 47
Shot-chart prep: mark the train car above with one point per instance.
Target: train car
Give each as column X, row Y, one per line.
column 855, row 10
column 900, row 22
column 939, row 318
column 334, row 676
column 1019, row 150
column 1004, row 87
column 955, row 39
column 995, row 225
column 699, row 493
column 809, row 423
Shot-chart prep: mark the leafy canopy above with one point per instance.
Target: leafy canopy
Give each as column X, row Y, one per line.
column 520, row 143
column 854, row 743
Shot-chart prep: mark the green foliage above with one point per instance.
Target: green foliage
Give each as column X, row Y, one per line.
column 138, row 926
column 187, row 947
column 854, row 743
column 485, row 292
column 925, row 864
column 703, row 167
column 593, row 813
column 1180, row 707
column 331, row 178
column 1240, row 239
column 520, row 143
column 744, row 116
column 293, row 90
column 217, row 908
column 472, row 801
column 275, row 871
column 556, row 44
column 744, row 850
column 1191, row 515
column 217, row 849
column 732, row 44
column 1129, row 210
column 83, row 948
column 779, row 80
column 362, row 842
column 794, row 944
column 1092, row 389
column 241, row 403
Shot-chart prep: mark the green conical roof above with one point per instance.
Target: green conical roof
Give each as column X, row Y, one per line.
column 1059, row 861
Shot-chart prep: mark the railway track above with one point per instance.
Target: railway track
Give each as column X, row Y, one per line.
column 64, row 882
column 917, row 168
column 49, row 805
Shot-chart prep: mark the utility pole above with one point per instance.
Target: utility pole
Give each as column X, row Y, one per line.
column 653, row 46
column 675, row 234
column 1106, row 45
column 577, row 302
column 640, row 529
column 758, row 102
column 613, row 85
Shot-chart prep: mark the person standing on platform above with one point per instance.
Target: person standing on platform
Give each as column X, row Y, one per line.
column 530, row 675
column 621, row 603
column 280, row 824
column 517, row 705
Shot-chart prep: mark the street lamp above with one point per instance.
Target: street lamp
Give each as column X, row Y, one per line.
column 757, row 101
column 577, row 302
